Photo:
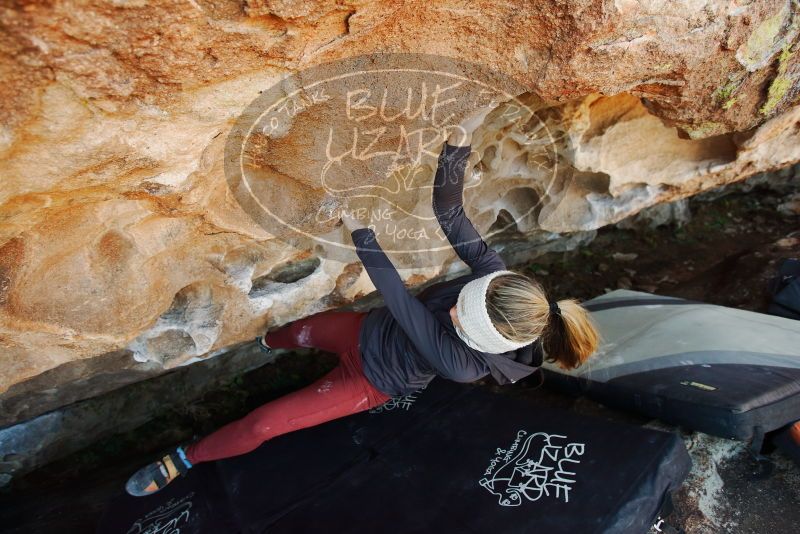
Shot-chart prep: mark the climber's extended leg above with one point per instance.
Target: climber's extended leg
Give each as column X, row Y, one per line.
column 343, row 391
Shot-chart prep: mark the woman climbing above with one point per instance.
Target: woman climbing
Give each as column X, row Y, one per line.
column 491, row 321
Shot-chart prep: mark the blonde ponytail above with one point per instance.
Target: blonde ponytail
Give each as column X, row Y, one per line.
column 521, row 312
column 570, row 336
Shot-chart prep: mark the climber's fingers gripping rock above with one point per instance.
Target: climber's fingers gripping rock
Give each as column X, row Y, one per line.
column 461, row 134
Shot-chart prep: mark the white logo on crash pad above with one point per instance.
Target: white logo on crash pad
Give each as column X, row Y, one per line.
column 404, row 402
column 534, row 466
column 168, row 518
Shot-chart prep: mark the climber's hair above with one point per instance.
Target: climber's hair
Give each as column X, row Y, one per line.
column 520, row 310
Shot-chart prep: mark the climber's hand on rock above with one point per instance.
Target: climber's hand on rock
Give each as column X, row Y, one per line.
column 352, row 220
column 461, row 135
column 476, row 117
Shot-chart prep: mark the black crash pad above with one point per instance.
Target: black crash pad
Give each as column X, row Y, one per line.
column 451, row 458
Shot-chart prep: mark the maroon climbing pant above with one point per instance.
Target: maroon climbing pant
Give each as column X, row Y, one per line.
column 343, row 391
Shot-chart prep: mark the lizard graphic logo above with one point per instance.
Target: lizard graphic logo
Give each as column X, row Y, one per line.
column 534, row 466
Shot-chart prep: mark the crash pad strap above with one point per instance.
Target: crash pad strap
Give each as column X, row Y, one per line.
column 630, row 303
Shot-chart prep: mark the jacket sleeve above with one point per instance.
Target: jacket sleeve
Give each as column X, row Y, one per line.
column 448, row 189
column 448, row 356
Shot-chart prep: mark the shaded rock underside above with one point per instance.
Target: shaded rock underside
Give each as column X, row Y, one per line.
column 123, row 253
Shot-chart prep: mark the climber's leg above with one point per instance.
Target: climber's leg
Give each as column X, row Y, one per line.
column 330, row 331
column 343, row 391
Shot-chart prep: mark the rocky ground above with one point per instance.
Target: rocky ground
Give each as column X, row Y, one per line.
column 723, row 254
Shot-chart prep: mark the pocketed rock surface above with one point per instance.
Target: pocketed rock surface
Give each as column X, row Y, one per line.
column 721, row 247
column 123, row 253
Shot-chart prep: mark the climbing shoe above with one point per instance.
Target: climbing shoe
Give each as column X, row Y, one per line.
column 155, row 476
column 262, row 344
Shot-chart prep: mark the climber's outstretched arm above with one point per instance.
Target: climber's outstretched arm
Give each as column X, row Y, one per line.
column 447, row 206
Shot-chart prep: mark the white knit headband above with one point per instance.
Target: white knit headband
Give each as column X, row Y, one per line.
column 477, row 329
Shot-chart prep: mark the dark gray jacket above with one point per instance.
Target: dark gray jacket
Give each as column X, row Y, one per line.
column 407, row 342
